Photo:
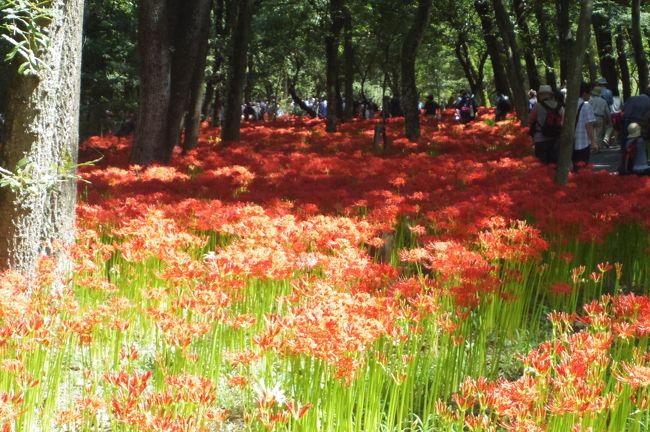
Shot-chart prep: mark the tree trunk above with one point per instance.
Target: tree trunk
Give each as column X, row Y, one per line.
column 637, row 43
column 237, row 72
column 591, row 63
column 573, row 91
column 513, row 67
column 42, row 121
column 492, row 44
column 474, row 76
column 215, row 95
column 191, row 23
column 519, row 8
column 409, row 54
column 622, row 63
column 348, row 65
column 545, row 44
column 332, row 67
column 197, row 90
column 603, row 33
column 155, row 82
column 565, row 35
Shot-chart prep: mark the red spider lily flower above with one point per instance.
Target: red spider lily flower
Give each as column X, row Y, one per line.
column 561, row 288
column 635, row 375
column 134, row 384
column 296, row 409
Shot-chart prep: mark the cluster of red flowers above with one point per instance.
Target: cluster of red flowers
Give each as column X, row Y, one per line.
column 292, row 203
column 569, row 374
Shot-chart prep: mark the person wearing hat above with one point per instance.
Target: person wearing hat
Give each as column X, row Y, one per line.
column 603, row 118
column 605, row 93
column 546, row 147
column 636, row 110
column 635, row 157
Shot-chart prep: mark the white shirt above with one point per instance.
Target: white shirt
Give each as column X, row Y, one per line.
column 586, row 116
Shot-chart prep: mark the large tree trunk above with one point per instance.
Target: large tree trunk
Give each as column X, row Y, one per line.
column 41, row 127
column 637, row 44
column 331, row 58
column 513, row 67
column 348, row 64
column 237, row 71
column 409, row 54
column 603, row 33
column 545, row 44
column 191, row 22
column 565, row 35
column 214, row 100
column 197, row 91
column 155, row 82
column 573, row 92
column 519, row 8
column 622, row 62
column 492, row 44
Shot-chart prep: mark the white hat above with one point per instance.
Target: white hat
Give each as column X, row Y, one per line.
column 633, row 130
column 545, row 88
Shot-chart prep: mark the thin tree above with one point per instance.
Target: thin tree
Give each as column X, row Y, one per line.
column 513, row 65
column 482, row 8
column 604, row 42
column 576, row 60
column 637, row 43
column 38, row 152
column 410, row 47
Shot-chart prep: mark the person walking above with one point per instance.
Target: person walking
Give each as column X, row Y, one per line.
column 545, row 125
column 603, row 119
column 585, row 120
column 635, row 110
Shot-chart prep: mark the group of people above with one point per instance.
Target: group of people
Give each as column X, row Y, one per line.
column 599, row 115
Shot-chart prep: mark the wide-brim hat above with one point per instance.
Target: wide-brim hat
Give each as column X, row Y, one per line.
column 596, row 91
column 601, row 81
column 545, row 89
column 633, row 130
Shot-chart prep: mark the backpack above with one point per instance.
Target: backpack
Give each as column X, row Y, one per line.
column 552, row 127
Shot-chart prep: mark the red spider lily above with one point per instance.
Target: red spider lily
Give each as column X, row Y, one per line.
column 635, row 375
column 296, row 409
column 133, row 384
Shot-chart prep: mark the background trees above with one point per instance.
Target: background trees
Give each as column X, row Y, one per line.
column 172, row 72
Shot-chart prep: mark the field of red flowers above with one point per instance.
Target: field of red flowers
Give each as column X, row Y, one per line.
column 297, row 281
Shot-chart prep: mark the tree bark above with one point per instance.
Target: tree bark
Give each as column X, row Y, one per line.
column 191, row 25
column 545, row 44
column 622, row 63
column 42, row 126
column 237, row 72
column 197, row 90
column 492, row 44
column 519, row 8
column 348, row 64
column 410, row 47
column 604, row 42
column 155, row 82
column 565, row 35
column 573, row 91
column 332, row 67
column 513, row 66
column 473, row 74
column 637, row 43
